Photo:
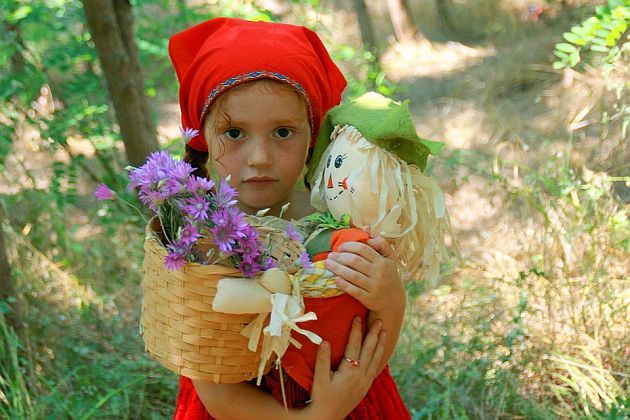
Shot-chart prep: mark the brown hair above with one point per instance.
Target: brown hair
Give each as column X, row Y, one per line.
column 198, row 160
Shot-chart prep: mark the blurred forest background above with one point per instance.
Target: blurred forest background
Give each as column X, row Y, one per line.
column 531, row 98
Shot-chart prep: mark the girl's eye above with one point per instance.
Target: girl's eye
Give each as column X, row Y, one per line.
column 283, row 133
column 233, row 134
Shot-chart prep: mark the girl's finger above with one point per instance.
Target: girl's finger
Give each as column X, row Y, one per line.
column 348, row 274
column 374, row 364
column 371, row 339
column 321, row 373
column 351, row 260
column 353, row 348
column 380, row 245
column 356, row 292
column 364, row 250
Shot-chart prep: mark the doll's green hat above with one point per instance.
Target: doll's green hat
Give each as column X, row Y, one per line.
column 383, row 122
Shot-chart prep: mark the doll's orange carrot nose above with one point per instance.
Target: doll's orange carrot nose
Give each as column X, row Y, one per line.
column 330, row 184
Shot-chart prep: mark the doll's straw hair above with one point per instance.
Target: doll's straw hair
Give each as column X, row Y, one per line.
column 411, row 210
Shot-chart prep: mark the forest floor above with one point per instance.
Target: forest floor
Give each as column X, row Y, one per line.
column 505, row 116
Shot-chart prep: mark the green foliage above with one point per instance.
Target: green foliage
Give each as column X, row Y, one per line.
column 15, row 397
column 368, row 74
column 600, row 34
column 325, row 220
column 84, row 355
column 58, row 89
column 465, row 364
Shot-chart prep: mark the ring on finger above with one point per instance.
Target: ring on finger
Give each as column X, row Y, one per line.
column 353, row 363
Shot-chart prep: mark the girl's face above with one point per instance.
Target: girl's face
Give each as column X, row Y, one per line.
column 259, row 134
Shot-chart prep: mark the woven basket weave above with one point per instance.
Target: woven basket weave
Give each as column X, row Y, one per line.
column 179, row 327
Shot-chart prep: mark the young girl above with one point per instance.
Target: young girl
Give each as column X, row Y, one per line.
column 257, row 92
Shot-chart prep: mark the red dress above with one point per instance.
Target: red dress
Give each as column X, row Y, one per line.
column 334, row 319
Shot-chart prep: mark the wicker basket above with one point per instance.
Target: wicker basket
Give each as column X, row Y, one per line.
column 179, row 327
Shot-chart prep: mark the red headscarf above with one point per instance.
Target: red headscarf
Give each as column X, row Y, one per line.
column 221, row 53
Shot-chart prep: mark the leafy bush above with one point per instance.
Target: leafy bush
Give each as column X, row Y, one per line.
column 599, row 34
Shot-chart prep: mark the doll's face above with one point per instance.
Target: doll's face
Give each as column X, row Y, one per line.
column 346, row 182
column 339, row 164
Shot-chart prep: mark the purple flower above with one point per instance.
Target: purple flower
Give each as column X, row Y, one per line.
column 197, row 184
column 180, row 170
column 159, row 167
column 103, row 192
column 229, row 226
column 151, row 199
column 189, row 235
column 293, row 234
column 197, row 207
column 174, row 262
column 202, row 205
column 225, row 195
column 188, row 133
column 171, row 187
column 241, row 227
column 269, row 263
column 249, row 269
column 305, row 260
column 223, row 237
column 176, row 257
column 249, row 249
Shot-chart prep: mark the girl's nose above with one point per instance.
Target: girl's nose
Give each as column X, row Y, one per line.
column 259, row 154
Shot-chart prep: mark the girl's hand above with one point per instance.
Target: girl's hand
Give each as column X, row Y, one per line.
column 368, row 273
column 336, row 394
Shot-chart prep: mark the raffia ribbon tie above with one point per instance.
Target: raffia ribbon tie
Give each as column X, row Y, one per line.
column 287, row 311
column 253, row 331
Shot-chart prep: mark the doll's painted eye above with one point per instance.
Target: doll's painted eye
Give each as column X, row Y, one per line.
column 338, row 161
column 329, row 160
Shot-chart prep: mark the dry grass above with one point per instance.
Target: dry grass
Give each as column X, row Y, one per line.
column 539, row 230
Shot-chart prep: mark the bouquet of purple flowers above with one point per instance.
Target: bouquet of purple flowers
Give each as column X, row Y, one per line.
column 189, row 208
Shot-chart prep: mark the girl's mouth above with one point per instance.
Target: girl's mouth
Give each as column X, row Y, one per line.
column 259, row 179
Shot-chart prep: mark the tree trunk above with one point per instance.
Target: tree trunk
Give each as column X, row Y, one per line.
column 124, row 14
column 17, row 59
column 7, row 290
column 110, row 24
column 365, row 24
column 404, row 27
column 441, row 7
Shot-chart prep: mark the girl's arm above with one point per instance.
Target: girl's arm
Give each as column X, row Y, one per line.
column 334, row 394
column 369, row 273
